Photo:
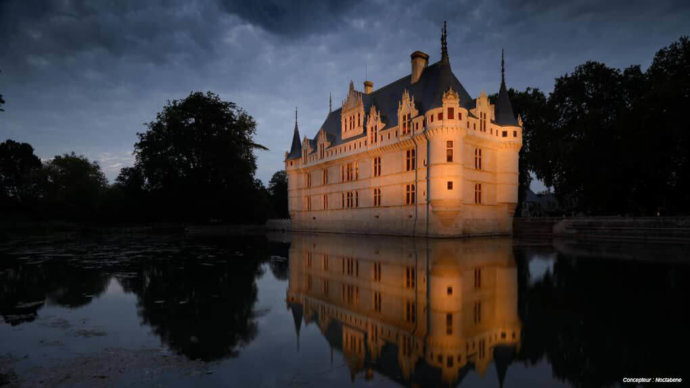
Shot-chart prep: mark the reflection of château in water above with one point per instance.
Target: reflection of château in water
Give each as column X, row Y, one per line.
column 423, row 311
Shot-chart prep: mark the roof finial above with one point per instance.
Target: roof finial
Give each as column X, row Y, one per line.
column 295, row 117
column 330, row 103
column 503, row 69
column 444, row 44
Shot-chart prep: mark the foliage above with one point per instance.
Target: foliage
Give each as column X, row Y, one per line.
column 18, row 164
column 197, row 161
column 278, row 191
column 72, row 186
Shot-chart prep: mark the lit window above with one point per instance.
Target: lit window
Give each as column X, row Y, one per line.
column 377, row 197
column 478, row 158
column 449, row 151
column 409, row 277
column 409, row 194
column 410, row 311
column 377, row 166
column 410, row 160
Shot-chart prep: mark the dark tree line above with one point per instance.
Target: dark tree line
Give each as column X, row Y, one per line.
column 610, row 141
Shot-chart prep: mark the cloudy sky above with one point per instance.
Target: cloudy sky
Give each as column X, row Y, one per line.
column 84, row 75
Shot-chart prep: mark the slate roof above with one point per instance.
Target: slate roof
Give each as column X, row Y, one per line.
column 504, row 110
column 428, row 91
column 296, row 149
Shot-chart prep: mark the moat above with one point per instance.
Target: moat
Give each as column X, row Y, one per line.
column 315, row 310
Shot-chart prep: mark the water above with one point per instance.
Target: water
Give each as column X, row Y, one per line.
column 315, row 310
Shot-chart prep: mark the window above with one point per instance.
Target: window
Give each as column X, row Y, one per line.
column 321, row 151
column 356, row 198
column 449, row 151
column 377, row 272
column 409, row 194
column 449, row 361
column 477, row 312
column 459, row 115
column 308, row 203
column 325, row 201
column 478, row 158
column 477, row 193
column 377, row 166
column 504, row 134
column 351, row 266
column 449, row 324
column 309, row 256
column 308, row 180
column 324, row 176
column 410, row 311
column 342, row 200
column 451, row 113
column 377, row 197
column 477, row 278
column 409, row 277
column 431, row 118
column 440, row 115
column 324, row 262
column 325, row 287
column 514, row 133
column 410, row 159
column 377, row 301
column 449, row 291
column 349, row 172
column 450, row 185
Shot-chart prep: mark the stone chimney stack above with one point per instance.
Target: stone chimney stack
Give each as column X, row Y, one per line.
column 368, row 87
column 419, row 61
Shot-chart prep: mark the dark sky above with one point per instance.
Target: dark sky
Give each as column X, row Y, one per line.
column 84, row 76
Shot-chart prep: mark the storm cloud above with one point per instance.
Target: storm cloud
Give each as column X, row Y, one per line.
column 85, row 75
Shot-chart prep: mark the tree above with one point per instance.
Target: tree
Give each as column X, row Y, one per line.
column 665, row 104
column 72, row 186
column 17, row 166
column 278, row 191
column 197, row 160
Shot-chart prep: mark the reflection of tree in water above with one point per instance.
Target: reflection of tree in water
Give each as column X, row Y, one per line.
column 597, row 320
column 202, row 308
column 25, row 287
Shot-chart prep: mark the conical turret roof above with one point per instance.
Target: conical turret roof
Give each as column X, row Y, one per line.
column 504, row 109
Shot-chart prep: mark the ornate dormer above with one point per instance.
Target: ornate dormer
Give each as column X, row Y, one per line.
column 322, row 143
column 406, row 112
column 374, row 124
column 306, row 149
column 484, row 111
column 352, row 114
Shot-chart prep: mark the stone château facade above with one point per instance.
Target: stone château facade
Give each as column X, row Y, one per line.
column 418, row 156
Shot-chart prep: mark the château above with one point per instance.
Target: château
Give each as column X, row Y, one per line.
column 418, row 156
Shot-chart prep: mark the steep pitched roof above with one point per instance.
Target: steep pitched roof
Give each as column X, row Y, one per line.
column 296, row 149
column 504, row 109
column 427, row 92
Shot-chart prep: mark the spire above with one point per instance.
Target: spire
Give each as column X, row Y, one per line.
column 503, row 70
column 504, row 109
column 296, row 148
column 330, row 103
column 444, row 44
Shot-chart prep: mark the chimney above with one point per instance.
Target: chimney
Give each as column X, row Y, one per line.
column 419, row 62
column 368, row 87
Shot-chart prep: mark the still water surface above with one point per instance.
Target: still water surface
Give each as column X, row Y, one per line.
column 315, row 310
